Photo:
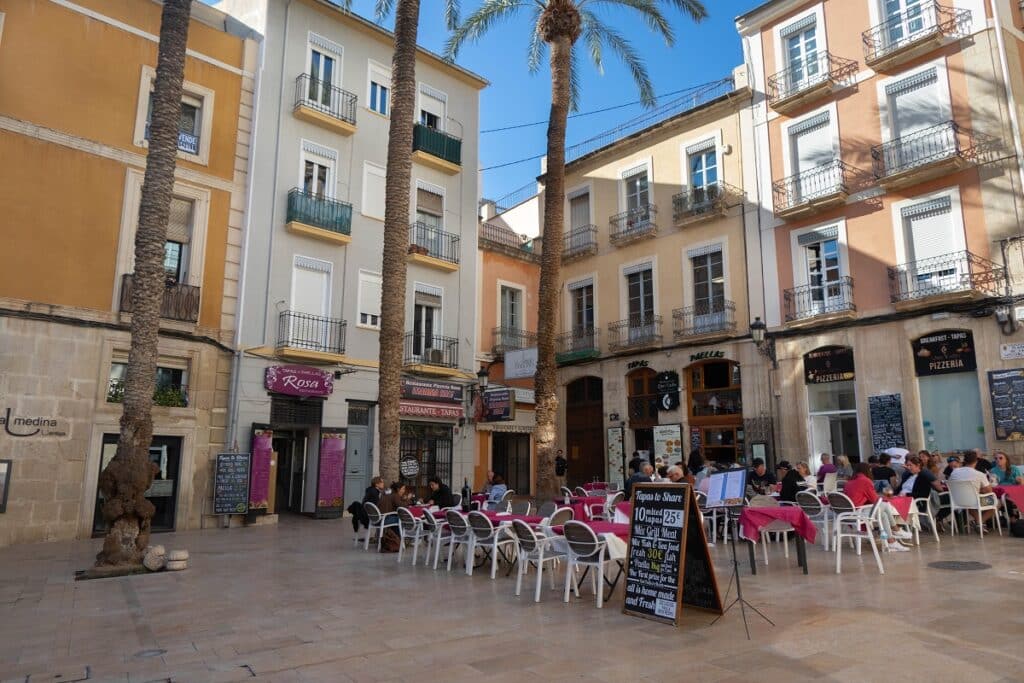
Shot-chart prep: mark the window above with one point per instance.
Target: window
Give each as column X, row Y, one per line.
column 432, row 107
column 579, row 210
column 708, row 286
column 428, row 231
column 179, row 235
column 380, row 89
column 318, row 164
column 811, row 141
column 189, row 126
column 171, row 383
column 324, row 69
column 426, row 320
column 511, row 308
column 703, row 169
column 802, row 55
column 582, row 306
column 373, row 190
column 369, row 299
column 636, row 191
column 194, row 126
column 640, row 286
column 915, row 104
column 823, row 274
column 308, row 324
column 643, row 398
column 931, row 239
column 715, row 389
column 906, row 18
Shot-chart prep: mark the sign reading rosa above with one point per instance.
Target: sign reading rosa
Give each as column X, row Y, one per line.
column 298, row 380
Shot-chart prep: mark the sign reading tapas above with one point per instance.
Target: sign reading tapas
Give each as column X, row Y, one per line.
column 424, row 390
column 942, row 353
column 298, row 380
column 417, row 409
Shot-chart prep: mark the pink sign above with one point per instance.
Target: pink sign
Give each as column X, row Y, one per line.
column 298, row 380
column 259, row 475
column 332, row 470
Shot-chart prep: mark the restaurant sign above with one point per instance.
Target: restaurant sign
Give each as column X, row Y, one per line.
column 667, row 385
column 298, row 380
column 423, row 390
column 828, row 364
column 498, row 406
column 433, row 410
column 943, row 353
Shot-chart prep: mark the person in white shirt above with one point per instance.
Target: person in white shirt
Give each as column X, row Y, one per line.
column 967, row 472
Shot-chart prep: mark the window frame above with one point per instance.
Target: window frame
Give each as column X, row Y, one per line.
column 366, row 276
column 521, row 296
column 780, row 35
column 900, row 237
column 327, row 300
column 422, row 89
column 377, row 69
column 570, row 312
column 621, row 182
column 788, row 146
column 315, row 41
column 885, row 113
column 379, row 170
column 189, row 90
column 652, row 261
column 801, row 277
column 311, row 151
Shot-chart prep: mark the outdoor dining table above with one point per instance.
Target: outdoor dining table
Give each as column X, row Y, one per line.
column 752, row 520
column 507, row 517
column 581, row 505
column 595, row 486
column 623, row 511
column 1014, row 493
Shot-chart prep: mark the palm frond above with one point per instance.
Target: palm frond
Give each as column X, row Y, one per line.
column 624, row 49
column 478, row 23
column 575, row 80
column 451, row 14
column 382, row 9
column 651, row 14
column 592, row 39
column 535, row 51
column 692, row 8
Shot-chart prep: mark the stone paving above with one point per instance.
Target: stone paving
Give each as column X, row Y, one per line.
column 296, row 602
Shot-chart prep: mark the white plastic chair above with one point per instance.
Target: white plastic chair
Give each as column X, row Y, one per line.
column 565, row 491
column 411, row 530
column 547, row 509
column 437, row 533
column 503, row 505
column 534, row 549
column 456, row 500
column 459, row 534
column 924, row 509
column 830, row 483
column 853, row 523
column 494, row 540
column 561, row 516
column 585, row 550
column 963, row 496
column 376, row 518
column 521, row 508
column 816, row 511
column 580, row 492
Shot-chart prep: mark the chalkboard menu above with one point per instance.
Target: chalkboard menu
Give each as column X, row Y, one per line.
column 1007, row 389
column 886, row 422
column 668, row 562
column 231, row 484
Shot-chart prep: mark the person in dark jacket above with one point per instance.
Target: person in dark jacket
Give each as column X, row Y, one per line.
column 440, row 494
column 372, row 495
column 696, row 462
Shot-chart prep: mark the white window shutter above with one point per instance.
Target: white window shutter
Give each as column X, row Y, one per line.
column 373, row 190
column 369, row 294
column 930, row 231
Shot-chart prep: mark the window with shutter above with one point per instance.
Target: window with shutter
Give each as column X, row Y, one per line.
column 179, row 234
column 931, row 238
column 432, row 107
column 369, row 299
column 373, row 190
column 579, row 210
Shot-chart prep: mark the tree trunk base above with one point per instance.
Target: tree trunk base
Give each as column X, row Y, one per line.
column 110, row 572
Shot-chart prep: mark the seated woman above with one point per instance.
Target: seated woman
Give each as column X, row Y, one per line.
column 390, row 502
column 843, row 469
column 498, row 490
column 861, row 491
column 794, row 481
column 440, row 494
column 1005, row 473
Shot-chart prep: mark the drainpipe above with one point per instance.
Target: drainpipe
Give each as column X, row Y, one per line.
column 1011, row 107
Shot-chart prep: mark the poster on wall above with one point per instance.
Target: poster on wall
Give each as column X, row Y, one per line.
column 668, row 443
column 616, row 456
column 1007, row 389
column 331, row 477
column 498, row 405
column 259, row 473
column 942, row 353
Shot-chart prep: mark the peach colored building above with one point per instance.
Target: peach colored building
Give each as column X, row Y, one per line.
column 886, row 159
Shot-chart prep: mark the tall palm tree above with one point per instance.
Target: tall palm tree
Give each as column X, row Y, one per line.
column 397, row 184
column 558, row 25
column 125, row 480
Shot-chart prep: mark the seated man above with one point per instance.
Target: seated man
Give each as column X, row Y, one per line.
column 440, row 494
column 760, row 479
column 969, row 472
column 498, row 490
column 860, row 489
column 644, row 476
column 884, row 475
column 826, row 467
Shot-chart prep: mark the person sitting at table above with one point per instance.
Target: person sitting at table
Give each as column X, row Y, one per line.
column 498, row 489
column 952, row 464
column 677, row 475
column 390, row 502
column 860, row 489
column 760, row 479
column 440, row 494
column 794, row 481
column 635, row 463
column 921, row 481
column 489, row 483
column 969, row 472
column 843, row 469
column 884, row 475
column 984, row 465
column 644, row 476
column 1005, row 473
column 826, row 467
column 371, row 495
column 695, row 463
column 662, row 474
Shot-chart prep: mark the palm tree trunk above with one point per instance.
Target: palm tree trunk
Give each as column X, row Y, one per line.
column 396, row 232
column 546, row 382
column 125, row 480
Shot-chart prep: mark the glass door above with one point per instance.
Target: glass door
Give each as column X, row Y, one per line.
column 424, row 324
column 823, row 277
column 641, row 306
column 637, row 201
column 906, row 18
column 704, row 177
column 802, row 55
column 708, row 292
column 321, row 76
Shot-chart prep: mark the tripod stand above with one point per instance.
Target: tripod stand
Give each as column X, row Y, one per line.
column 734, row 516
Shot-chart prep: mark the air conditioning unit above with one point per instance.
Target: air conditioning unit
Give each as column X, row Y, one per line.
column 435, row 356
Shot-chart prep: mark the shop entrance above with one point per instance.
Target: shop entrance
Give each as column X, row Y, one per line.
column 951, row 412
column 165, row 453
column 643, row 442
column 715, row 409
column 359, row 458
column 290, row 447
column 510, row 457
column 833, row 418
column 584, row 440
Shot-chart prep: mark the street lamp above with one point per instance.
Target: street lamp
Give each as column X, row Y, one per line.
column 764, row 343
column 481, row 377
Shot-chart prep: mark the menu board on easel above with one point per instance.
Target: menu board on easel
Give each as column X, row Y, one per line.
column 231, row 484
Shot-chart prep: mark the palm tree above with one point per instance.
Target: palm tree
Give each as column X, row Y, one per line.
column 125, row 480
column 396, row 221
column 558, row 25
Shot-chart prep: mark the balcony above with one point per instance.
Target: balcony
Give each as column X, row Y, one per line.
column 319, row 217
column 165, row 395
column 924, row 154
column 961, row 276
column 431, row 355
column 698, row 204
column 809, row 81
column 512, row 339
column 436, row 149
column 816, row 189
column 307, row 337
column 430, row 246
column 634, row 333
column 820, row 304
column 705, row 321
column 180, row 302
column 633, row 225
column 507, row 241
column 579, row 345
column 579, row 243
column 326, row 105
column 912, row 33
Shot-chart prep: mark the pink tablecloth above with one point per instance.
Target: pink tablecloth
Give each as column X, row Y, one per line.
column 479, row 498
column 495, row 517
column 1014, row 493
column 595, row 486
column 620, row 530
column 418, row 510
column 625, row 508
column 580, row 505
column 752, row 520
column 902, row 505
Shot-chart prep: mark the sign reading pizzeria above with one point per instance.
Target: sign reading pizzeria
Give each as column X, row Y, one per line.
column 828, row 364
column 942, row 353
column 298, row 380
column 424, row 390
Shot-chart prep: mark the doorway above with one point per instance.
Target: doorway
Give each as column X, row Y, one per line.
column 290, row 447
column 165, row 453
column 643, row 441
column 584, row 441
column 833, row 420
column 510, row 457
column 359, row 459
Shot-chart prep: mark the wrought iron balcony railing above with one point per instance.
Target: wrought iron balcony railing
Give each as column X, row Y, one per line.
column 818, row 71
column 421, row 349
column 715, row 317
column 320, row 212
column 166, row 395
column 579, row 344
column 437, row 143
column 633, row 224
column 820, row 184
column 917, row 24
column 325, row 98
column 707, row 201
column 512, row 339
column 502, row 237
column 580, row 242
column 180, row 302
column 434, row 242
column 308, row 332
column 812, row 301
column 946, row 141
column 957, row 273
column 636, row 331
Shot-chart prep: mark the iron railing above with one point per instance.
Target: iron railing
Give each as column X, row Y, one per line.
column 325, row 98
column 309, row 332
column 708, row 199
column 580, row 241
column 811, row 301
column 821, row 68
column 636, row 331
column 166, row 395
column 431, row 241
column 512, row 339
column 516, row 197
column 180, row 301
column 422, row 349
column 320, row 212
column 921, row 148
column 916, row 24
column 947, row 274
column 709, row 317
column 579, row 344
column 499, row 235
column 633, row 224
column 437, row 143
column 813, row 184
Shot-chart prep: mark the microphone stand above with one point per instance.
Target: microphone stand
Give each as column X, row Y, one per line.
column 733, row 515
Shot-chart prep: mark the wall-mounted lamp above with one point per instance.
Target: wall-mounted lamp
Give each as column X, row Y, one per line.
column 764, row 343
